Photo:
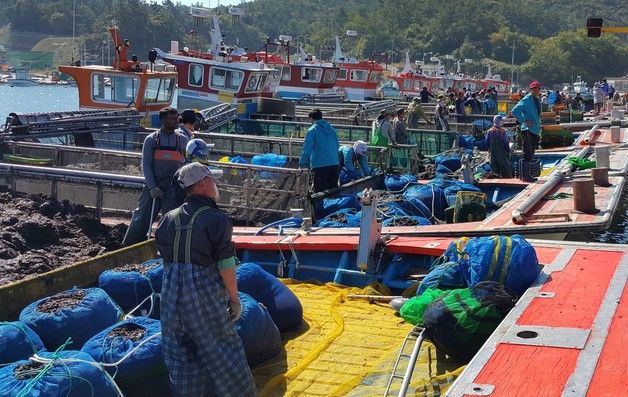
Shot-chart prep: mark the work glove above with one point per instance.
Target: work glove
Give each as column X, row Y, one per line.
column 235, row 309
column 156, row 193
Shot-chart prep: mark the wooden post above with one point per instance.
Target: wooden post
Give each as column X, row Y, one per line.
column 600, row 176
column 602, row 156
column 584, row 196
column 615, row 134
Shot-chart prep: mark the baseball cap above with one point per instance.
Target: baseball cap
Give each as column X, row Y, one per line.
column 535, row 84
column 359, row 147
column 498, row 120
column 192, row 173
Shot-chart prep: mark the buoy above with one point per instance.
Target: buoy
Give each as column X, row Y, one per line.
column 584, row 195
column 600, row 176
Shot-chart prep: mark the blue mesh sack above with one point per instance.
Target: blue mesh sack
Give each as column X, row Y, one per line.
column 341, row 218
column 396, row 182
column 441, row 169
column 433, row 197
column 451, row 161
column 442, row 182
column 347, row 176
column 259, row 334
column 466, row 141
column 144, row 372
column 283, row 305
column 69, row 374
column 17, row 342
column 129, row 285
column 77, row 313
column 447, row 275
column 509, row 260
column 339, row 202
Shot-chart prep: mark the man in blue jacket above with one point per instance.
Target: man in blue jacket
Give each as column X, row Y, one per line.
column 528, row 113
column 320, row 152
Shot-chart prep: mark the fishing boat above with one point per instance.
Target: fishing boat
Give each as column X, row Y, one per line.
column 358, row 80
column 22, row 78
column 128, row 83
column 581, row 343
column 412, row 80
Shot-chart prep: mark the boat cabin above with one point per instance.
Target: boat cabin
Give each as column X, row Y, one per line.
column 128, row 83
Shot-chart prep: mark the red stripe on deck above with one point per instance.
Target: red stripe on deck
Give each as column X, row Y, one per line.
column 546, row 255
column 611, row 376
column 524, row 371
column 579, row 291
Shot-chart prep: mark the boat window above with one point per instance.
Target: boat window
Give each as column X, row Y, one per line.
column 358, row 75
column 107, row 88
column 229, row 80
column 256, row 82
column 342, row 74
column 376, row 77
column 286, row 73
column 195, row 75
column 407, row 84
column 159, row 90
column 418, row 85
column 98, row 87
column 330, row 76
column 312, row 75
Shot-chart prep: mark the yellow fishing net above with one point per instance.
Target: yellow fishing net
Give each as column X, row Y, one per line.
column 347, row 347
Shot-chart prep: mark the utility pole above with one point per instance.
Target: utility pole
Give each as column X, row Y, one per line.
column 73, row 29
column 512, row 62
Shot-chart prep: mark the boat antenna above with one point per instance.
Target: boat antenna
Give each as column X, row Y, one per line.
column 73, row 29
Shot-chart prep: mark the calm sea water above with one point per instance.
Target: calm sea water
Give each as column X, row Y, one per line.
column 57, row 98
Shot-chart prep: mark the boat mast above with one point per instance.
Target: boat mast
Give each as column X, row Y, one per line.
column 512, row 62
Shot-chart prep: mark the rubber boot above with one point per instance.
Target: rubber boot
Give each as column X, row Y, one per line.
column 525, row 172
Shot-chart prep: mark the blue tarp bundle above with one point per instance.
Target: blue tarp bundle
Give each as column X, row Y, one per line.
column 396, row 182
column 17, row 342
column 447, row 275
column 129, row 288
column 441, row 169
column 340, row 202
column 466, row 141
column 433, row 197
column 407, row 207
column 144, row 372
column 260, row 336
column 283, row 305
column 451, row 191
column 510, row 261
column 341, row 218
column 347, row 176
column 451, row 161
column 269, row 160
column 65, row 377
column 79, row 321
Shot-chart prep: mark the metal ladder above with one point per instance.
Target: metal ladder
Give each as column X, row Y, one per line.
column 416, row 336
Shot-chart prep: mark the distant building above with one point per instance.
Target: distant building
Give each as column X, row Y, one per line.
column 620, row 83
column 31, row 59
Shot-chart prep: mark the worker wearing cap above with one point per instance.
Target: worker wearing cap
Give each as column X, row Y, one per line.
column 499, row 149
column 199, row 297
column 528, row 114
column 187, row 120
column 416, row 111
column 196, row 151
column 353, row 162
column 162, row 155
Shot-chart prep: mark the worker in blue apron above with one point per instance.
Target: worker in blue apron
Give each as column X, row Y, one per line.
column 199, row 297
column 162, row 155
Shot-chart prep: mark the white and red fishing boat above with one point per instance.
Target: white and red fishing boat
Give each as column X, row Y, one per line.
column 412, row 80
column 128, row 83
column 357, row 80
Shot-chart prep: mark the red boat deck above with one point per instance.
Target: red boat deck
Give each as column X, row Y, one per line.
column 566, row 335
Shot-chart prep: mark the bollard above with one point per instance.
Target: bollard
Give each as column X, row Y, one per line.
column 600, row 176
column 615, row 134
column 584, row 196
column 602, row 157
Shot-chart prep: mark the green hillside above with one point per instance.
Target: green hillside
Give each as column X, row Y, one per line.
column 549, row 39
